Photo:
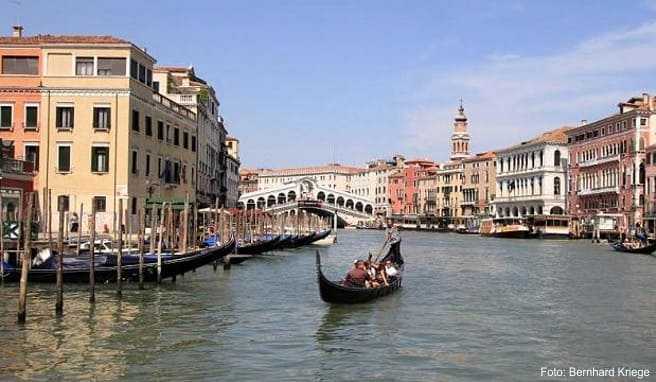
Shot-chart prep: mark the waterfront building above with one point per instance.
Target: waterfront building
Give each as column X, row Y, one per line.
column 103, row 130
column 608, row 171
column 248, row 179
column 649, row 209
column 449, row 192
column 20, row 107
column 333, row 176
column 232, row 172
column 183, row 86
column 531, row 177
column 479, row 184
column 373, row 182
column 17, row 178
column 403, row 193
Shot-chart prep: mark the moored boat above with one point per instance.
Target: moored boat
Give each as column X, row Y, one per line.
column 257, row 247
column 337, row 293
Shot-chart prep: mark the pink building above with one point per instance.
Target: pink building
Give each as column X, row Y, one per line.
column 607, row 169
column 402, row 188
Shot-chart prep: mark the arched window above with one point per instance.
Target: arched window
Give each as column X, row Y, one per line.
column 556, row 186
column 557, row 158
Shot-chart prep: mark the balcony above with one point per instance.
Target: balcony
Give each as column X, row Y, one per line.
column 596, row 161
column 519, row 198
column 174, row 106
column 15, row 166
column 525, row 171
column 599, row 190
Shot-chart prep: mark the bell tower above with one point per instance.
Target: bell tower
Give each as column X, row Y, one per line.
column 460, row 136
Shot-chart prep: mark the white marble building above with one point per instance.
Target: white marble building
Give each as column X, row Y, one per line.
column 532, row 177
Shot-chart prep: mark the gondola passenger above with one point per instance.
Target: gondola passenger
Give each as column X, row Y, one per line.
column 390, row 269
column 357, row 276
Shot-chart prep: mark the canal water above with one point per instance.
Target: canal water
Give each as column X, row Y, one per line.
column 471, row 309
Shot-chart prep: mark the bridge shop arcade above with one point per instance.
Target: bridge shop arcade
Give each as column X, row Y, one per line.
column 306, row 195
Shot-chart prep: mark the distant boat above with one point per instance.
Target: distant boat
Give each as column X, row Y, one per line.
column 647, row 249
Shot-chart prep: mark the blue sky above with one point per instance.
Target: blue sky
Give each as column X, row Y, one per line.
column 306, row 82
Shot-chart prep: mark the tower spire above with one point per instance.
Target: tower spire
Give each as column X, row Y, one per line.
column 460, row 135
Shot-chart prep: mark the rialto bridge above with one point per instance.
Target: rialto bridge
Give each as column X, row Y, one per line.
column 305, row 194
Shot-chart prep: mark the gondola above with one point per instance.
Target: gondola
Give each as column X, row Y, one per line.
column 319, row 236
column 284, row 241
column 335, row 293
column 258, row 247
column 171, row 266
column 302, row 240
column 644, row 250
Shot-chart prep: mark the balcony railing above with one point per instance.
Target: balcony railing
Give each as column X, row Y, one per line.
column 174, row 106
column 599, row 190
column 596, row 161
column 15, row 166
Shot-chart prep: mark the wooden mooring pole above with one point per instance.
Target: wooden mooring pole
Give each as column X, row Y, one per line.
column 159, row 245
column 92, row 265
column 119, row 276
column 185, row 224
column 142, row 246
column 59, row 304
column 25, row 263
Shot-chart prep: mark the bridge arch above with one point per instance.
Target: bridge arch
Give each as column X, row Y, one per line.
column 321, row 196
column 282, row 199
column 250, row 204
column 359, row 206
column 340, row 201
column 330, row 199
column 291, row 196
column 261, row 202
column 349, row 204
column 369, row 209
column 271, row 201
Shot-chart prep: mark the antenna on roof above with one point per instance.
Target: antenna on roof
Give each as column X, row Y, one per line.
column 17, row 3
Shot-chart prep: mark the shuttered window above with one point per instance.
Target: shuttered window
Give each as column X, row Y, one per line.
column 20, row 65
column 111, row 66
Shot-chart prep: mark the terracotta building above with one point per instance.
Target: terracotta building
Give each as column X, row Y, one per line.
column 478, row 184
column 607, row 171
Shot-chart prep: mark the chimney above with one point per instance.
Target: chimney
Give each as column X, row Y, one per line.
column 17, row 31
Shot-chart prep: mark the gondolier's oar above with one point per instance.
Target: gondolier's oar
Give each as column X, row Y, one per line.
column 381, row 250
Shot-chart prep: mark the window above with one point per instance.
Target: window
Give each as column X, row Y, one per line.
column 135, row 158
column 111, row 66
column 160, row 130
column 557, row 158
column 32, row 155
column 100, row 203
column 185, row 140
column 63, row 202
column 149, row 126
column 134, row 69
column 84, row 66
column 556, row 186
column 135, row 120
column 168, row 133
column 31, row 116
column 65, row 117
column 133, row 206
column 159, row 167
column 20, row 65
column 100, row 159
column 142, row 73
column 64, row 158
column 149, row 77
column 102, row 118
column 176, row 172
column 6, row 116
column 156, row 86
column 643, row 121
column 147, row 164
column 193, row 143
column 176, row 136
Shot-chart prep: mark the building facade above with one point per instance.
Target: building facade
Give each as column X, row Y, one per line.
column 531, row 178
column 183, row 86
column 608, row 165
column 479, row 184
column 104, row 133
column 334, row 176
column 232, row 172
